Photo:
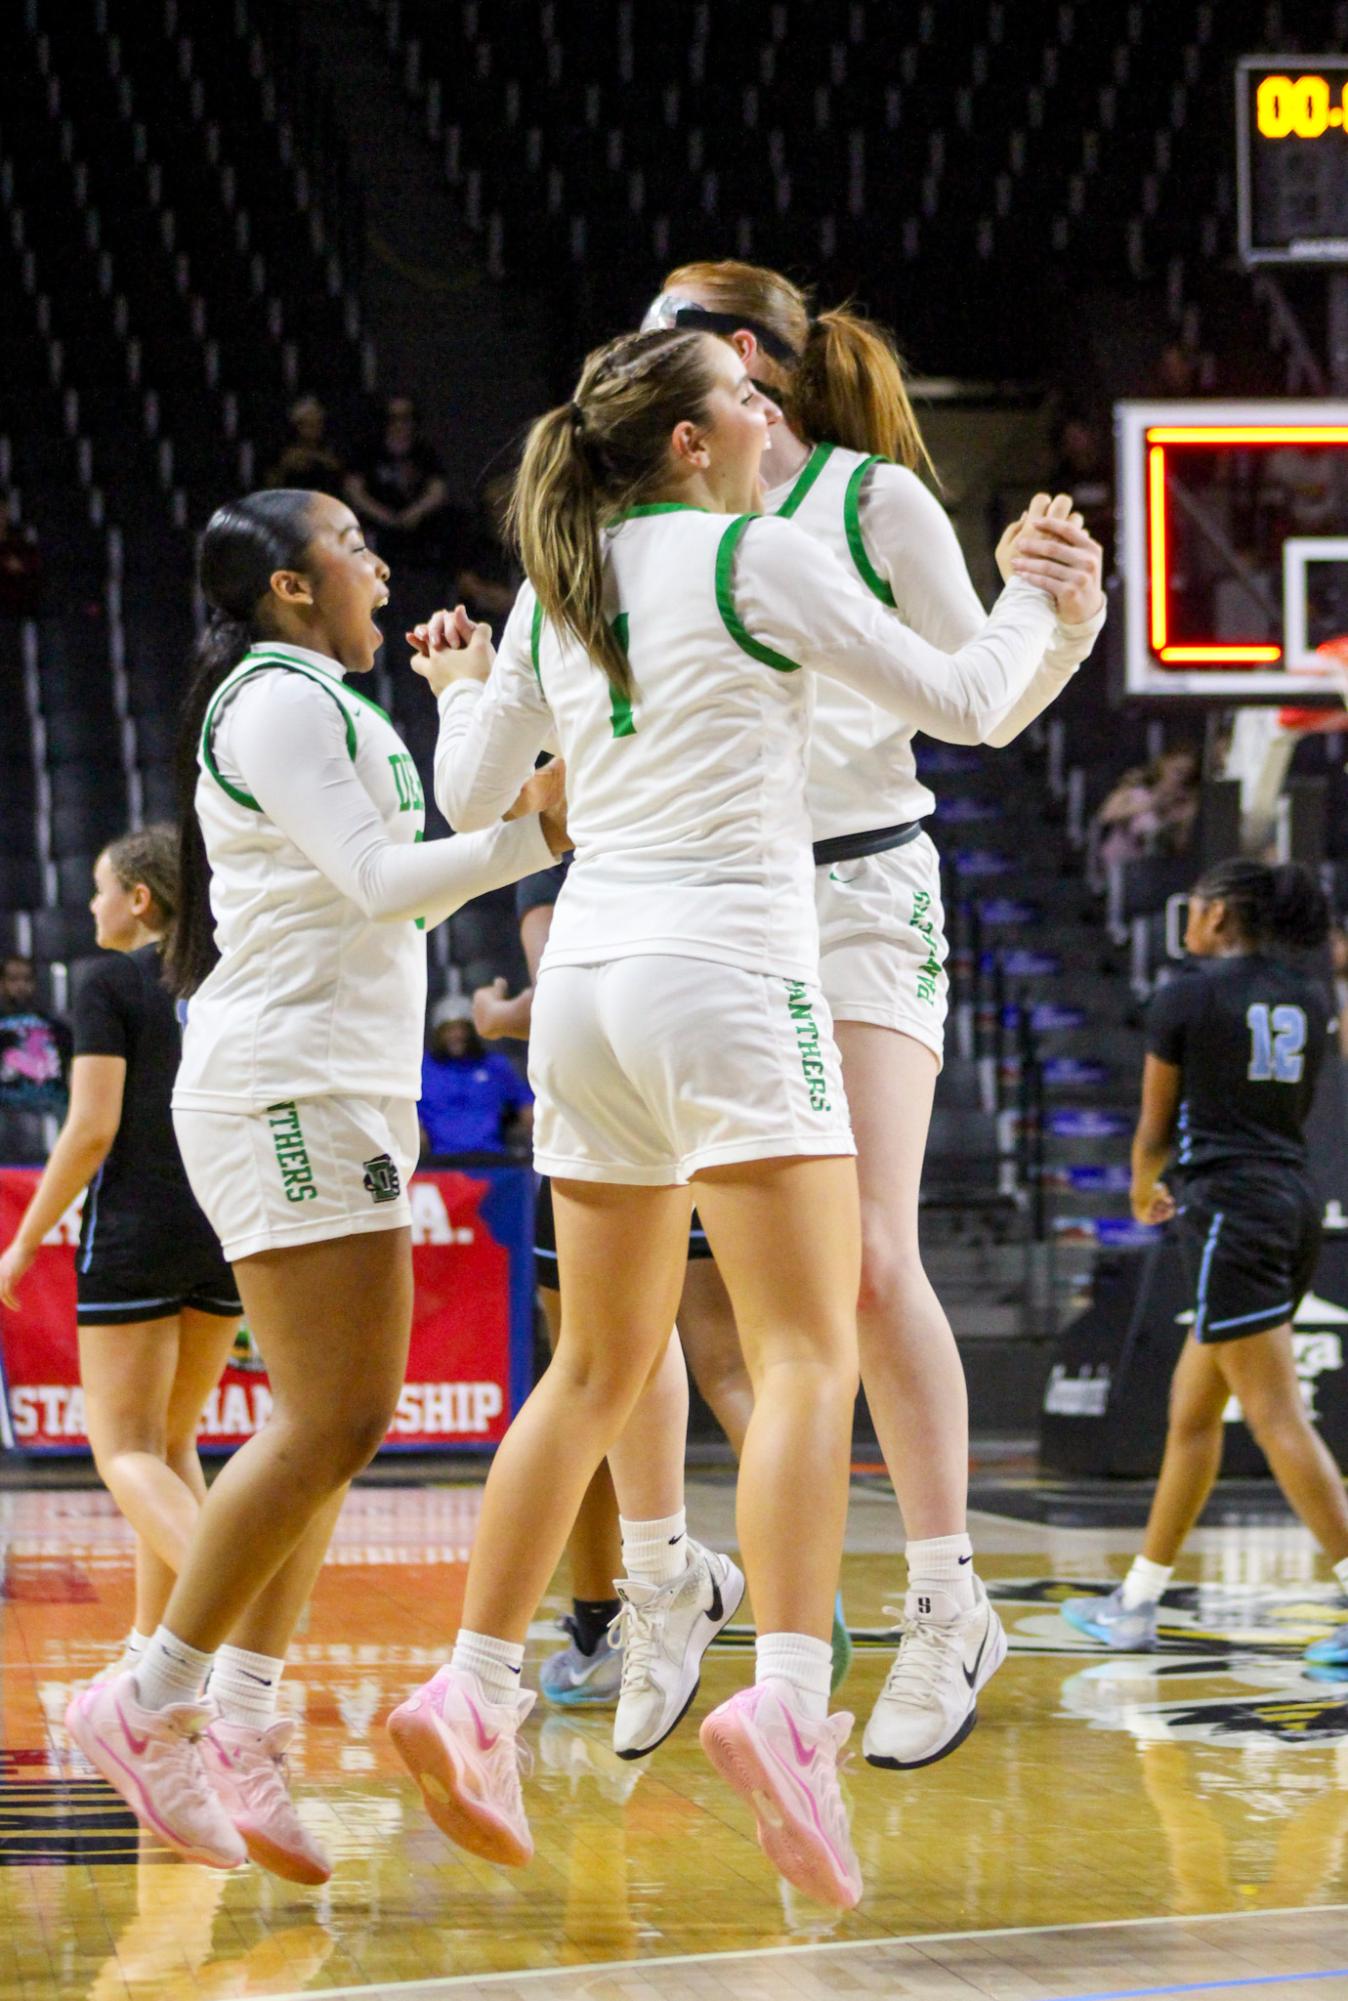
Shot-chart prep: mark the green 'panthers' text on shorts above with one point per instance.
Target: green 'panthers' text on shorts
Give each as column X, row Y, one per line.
column 801, row 1009
column 292, row 1155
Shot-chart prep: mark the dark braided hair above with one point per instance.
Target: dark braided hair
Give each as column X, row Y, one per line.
column 1283, row 906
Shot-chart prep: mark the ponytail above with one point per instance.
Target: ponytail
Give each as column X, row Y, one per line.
column 554, row 517
column 244, row 543
column 838, row 377
column 1283, row 906
column 849, row 389
column 588, row 460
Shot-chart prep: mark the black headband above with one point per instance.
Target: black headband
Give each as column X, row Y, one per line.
column 707, row 321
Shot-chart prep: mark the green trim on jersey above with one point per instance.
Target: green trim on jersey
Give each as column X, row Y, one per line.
column 536, row 640
column 262, row 663
column 725, row 600
column 805, row 479
column 649, row 507
column 866, row 569
column 620, row 705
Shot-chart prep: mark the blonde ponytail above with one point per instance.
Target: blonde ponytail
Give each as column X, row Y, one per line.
column 587, row 461
column 849, row 389
column 554, row 517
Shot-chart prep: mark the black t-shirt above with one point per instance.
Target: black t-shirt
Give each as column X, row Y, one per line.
column 534, row 892
column 124, row 1009
column 1248, row 1036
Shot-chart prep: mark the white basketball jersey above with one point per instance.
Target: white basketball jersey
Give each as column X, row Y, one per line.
column 863, row 773
column 310, row 995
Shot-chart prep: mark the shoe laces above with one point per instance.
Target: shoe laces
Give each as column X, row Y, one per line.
column 923, row 1659
column 637, row 1631
column 187, row 1726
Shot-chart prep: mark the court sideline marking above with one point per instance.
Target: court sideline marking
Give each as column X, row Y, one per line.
column 436, row 1983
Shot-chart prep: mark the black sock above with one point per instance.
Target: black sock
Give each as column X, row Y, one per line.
column 592, row 1618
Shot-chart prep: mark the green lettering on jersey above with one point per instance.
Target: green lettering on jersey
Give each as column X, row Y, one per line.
column 620, row 705
column 407, row 779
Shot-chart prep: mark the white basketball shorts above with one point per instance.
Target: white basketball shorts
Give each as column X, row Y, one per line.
column 647, row 1070
column 882, row 944
column 302, row 1171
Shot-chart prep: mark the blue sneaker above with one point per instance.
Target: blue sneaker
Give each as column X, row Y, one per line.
column 574, row 1680
column 1332, row 1651
column 1127, row 1631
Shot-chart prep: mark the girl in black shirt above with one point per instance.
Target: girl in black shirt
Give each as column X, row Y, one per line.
column 157, row 1306
column 1234, row 1046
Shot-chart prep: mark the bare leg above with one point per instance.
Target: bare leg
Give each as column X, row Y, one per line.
column 1193, row 1452
column 786, row 1236
column 711, row 1343
column 1261, row 1371
column 204, row 1342
column 621, row 1254
column 333, row 1320
column 647, row 1461
column 595, row 1548
column 128, row 1375
column 910, row 1366
column 269, row 1623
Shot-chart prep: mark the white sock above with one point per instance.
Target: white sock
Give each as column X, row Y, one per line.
column 945, row 1562
column 655, row 1552
column 246, row 1686
column 1341, row 1572
column 136, row 1643
column 170, row 1671
column 806, row 1663
column 1144, row 1583
column 498, row 1664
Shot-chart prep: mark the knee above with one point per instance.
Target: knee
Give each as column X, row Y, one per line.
column 891, row 1277
column 328, row 1451
column 137, row 1437
column 603, row 1381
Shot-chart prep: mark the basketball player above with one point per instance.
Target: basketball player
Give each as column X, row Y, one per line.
column 157, row 1305
column 1234, row 1046
column 295, row 1110
column 680, row 1038
column 843, row 465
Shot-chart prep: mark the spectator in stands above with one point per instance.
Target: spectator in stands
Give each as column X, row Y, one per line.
column 1151, row 811
column 20, row 565
column 399, row 488
column 307, row 459
column 473, row 1100
column 34, row 1064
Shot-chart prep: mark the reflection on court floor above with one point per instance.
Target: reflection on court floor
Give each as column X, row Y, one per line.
column 1115, row 1824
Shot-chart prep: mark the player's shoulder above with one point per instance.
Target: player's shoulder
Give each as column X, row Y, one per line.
column 1183, row 997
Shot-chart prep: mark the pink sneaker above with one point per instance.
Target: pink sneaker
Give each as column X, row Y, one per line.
column 152, row 1757
column 247, row 1768
column 786, row 1766
column 463, row 1751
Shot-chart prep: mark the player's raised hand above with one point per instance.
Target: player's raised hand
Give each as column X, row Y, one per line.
column 449, row 646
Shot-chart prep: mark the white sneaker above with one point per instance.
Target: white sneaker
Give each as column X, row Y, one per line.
column 929, row 1704
column 663, row 1631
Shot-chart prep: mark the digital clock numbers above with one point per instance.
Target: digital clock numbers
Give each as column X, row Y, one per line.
column 1300, row 107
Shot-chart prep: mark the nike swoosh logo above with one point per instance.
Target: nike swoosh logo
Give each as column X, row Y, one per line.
column 972, row 1678
column 136, row 1743
column 262, row 1680
column 484, row 1742
column 966, row 1559
column 717, row 1612
column 804, row 1758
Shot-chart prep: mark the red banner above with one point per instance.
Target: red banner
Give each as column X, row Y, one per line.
column 471, row 1326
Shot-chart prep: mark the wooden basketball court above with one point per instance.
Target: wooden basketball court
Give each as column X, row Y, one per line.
column 1116, row 1826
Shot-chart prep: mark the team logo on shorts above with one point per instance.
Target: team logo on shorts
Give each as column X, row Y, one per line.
column 382, row 1181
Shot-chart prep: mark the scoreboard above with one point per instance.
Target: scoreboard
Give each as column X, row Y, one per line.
column 1292, row 159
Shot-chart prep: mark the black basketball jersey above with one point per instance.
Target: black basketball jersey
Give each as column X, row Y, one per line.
column 1248, row 1035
